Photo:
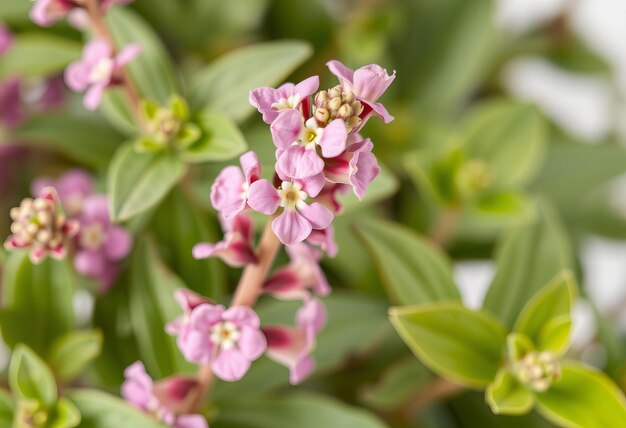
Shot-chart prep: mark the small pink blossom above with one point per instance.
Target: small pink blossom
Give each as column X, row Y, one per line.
column 298, row 218
column 236, row 249
column 46, row 12
column 38, row 226
column 298, row 140
column 98, row 70
column 6, row 39
column 188, row 301
column 227, row 339
column 229, row 192
column 73, row 187
column 302, row 276
column 101, row 244
column 164, row 399
column 270, row 102
column 367, row 83
column 324, row 239
column 357, row 166
column 292, row 346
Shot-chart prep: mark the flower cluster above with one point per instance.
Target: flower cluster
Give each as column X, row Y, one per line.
column 319, row 154
column 100, row 245
column 46, row 12
column 164, row 400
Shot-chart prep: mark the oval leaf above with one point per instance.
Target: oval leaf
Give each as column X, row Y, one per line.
column 413, row 270
column 30, row 378
column 459, row 344
column 584, row 398
column 223, row 86
column 137, row 182
column 71, row 353
column 507, row 396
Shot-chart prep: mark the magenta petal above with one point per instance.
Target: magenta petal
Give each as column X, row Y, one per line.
column 127, row 54
column 371, row 81
column 286, row 128
column 175, row 393
column 262, row 99
column 95, row 50
column 197, row 347
column 230, row 365
column 93, row 96
column 137, row 387
column 291, row 227
column 286, row 284
column 307, row 87
column 263, row 197
column 342, row 72
column 77, row 76
column 251, row 167
column 299, row 162
column 204, row 250
column 252, row 343
column 301, row 370
column 318, row 215
column 96, row 209
column 191, row 421
column 227, row 192
column 312, row 315
column 90, row 263
column 334, row 138
column 118, row 243
column 205, row 316
column 242, row 315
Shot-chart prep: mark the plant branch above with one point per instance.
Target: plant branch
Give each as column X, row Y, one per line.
column 101, row 30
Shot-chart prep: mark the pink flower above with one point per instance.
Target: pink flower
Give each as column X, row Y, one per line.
column 39, row 227
column 356, row 166
column 367, row 83
column 188, row 301
column 324, row 239
column 236, row 249
column 101, row 244
column 300, row 277
column 270, row 101
column 329, row 196
column 298, row 141
column 162, row 400
column 46, row 12
column 229, row 192
column 72, row 187
column 98, row 69
column 6, row 39
column 292, row 346
column 227, row 339
column 298, row 218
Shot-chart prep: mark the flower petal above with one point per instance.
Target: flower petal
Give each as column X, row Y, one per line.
column 252, row 342
column 263, row 197
column 334, row 138
column 299, row 162
column 118, row 243
column 291, row 227
column 286, row 128
column 230, row 365
column 242, row 315
column 317, row 214
column 343, row 73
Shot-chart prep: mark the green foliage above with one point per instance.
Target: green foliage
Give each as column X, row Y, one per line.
column 6, row 408
column 137, row 182
column 221, row 140
column 413, row 270
column 223, row 86
column 30, row 378
column 37, row 302
column 459, row 344
column 71, row 353
column 301, row 410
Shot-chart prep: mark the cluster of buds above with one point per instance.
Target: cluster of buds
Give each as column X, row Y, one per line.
column 319, row 154
column 537, row 370
column 46, row 12
column 38, row 225
column 100, row 245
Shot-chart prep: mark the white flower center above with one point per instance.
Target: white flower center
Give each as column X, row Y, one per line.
column 102, row 70
column 92, row 236
column 310, row 134
column 291, row 195
column 225, row 334
column 287, row 103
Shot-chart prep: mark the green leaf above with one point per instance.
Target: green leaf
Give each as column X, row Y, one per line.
column 116, row 108
column 509, row 137
column 152, row 306
column 37, row 301
column 527, row 259
column 83, row 139
column 413, row 270
column 518, row 345
column 6, row 408
column 179, row 225
column 355, row 325
column 459, row 344
column 399, row 384
column 137, row 182
column 221, row 140
column 70, row 354
column 101, row 410
column 64, row 414
column 30, row 378
column 37, row 55
column 151, row 71
column 583, row 397
column 295, row 410
column 507, row 396
column 546, row 318
column 224, row 85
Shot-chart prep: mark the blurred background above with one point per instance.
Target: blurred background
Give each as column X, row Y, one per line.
column 566, row 57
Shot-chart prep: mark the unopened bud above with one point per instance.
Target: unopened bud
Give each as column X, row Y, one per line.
column 321, row 98
column 335, row 92
column 334, row 103
column 344, row 111
column 322, row 115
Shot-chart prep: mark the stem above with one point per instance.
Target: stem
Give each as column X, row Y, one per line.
column 247, row 292
column 442, row 231
column 102, row 31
